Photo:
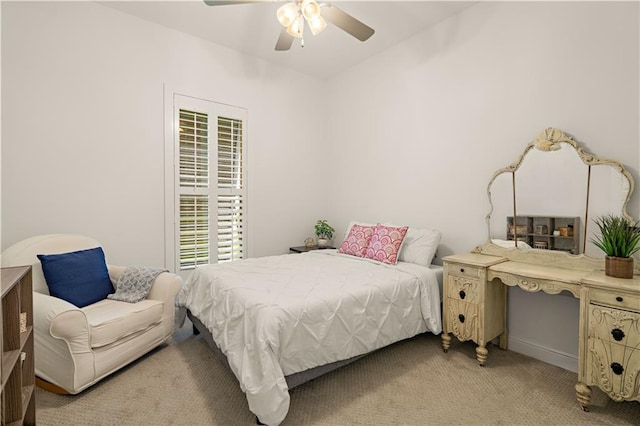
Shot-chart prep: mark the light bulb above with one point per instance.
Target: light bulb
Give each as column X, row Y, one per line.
column 310, row 9
column 317, row 25
column 297, row 27
column 287, row 14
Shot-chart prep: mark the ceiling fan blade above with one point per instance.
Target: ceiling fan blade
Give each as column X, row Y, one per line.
column 285, row 40
column 346, row 22
column 229, row 2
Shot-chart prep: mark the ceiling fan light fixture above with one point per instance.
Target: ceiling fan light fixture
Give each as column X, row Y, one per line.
column 317, row 25
column 287, row 14
column 310, row 9
column 297, row 27
column 294, row 14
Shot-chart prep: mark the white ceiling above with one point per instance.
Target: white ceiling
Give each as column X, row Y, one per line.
column 253, row 28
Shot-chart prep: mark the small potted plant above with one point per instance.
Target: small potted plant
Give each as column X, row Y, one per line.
column 619, row 239
column 324, row 232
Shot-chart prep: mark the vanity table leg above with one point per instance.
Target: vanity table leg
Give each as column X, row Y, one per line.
column 446, row 341
column 481, row 355
column 583, row 395
column 504, row 335
column 503, row 340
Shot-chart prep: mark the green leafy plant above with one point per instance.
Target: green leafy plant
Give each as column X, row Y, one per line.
column 323, row 229
column 618, row 237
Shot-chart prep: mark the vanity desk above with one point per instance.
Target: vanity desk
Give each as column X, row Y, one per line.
column 474, row 309
column 476, row 284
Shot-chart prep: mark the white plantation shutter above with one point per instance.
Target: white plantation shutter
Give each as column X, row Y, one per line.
column 230, row 189
column 194, row 148
column 194, row 230
column 229, row 153
column 211, row 192
column 230, row 238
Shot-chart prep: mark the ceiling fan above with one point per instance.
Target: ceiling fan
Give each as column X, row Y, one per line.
column 294, row 14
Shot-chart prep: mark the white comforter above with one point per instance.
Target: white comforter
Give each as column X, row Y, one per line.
column 279, row 315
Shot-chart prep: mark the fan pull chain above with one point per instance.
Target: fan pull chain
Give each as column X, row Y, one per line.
column 302, row 42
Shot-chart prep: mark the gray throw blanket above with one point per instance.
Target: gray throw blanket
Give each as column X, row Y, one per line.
column 135, row 283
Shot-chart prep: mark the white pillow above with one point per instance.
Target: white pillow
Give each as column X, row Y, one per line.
column 420, row 246
column 510, row 244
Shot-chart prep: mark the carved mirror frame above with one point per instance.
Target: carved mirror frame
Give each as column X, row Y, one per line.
column 551, row 139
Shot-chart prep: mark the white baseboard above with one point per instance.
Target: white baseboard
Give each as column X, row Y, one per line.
column 550, row 356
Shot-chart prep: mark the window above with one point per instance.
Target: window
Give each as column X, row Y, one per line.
column 209, row 197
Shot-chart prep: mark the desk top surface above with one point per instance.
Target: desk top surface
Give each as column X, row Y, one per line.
column 567, row 278
column 542, row 272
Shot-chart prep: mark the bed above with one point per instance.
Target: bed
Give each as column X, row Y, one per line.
column 281, row 320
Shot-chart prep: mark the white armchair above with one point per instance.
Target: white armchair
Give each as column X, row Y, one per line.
column 77, row 347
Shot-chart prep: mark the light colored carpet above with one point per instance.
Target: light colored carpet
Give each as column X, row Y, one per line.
column 410, row 383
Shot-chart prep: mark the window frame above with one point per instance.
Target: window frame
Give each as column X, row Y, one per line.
column 175, row 101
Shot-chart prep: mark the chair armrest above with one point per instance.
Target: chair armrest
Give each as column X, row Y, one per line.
column 115, row 272
column 165, row 288
column 62, row 343
column 55, row 318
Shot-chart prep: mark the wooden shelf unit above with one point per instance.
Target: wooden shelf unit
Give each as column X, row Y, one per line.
column 538, row 232
column 18, row 369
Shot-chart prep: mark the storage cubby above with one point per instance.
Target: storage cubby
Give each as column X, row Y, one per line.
column 18, row 369
column 546, row 232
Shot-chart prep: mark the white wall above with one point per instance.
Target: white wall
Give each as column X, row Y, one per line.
column 418, row 130
column 82, row 130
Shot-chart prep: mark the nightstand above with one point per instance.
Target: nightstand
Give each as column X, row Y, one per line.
column 304, row 249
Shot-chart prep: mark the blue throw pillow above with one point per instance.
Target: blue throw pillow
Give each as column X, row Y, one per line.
column 79, row 277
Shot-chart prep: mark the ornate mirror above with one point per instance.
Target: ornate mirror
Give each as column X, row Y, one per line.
column 554, row 190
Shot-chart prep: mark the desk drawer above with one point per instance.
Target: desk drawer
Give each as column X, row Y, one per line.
column 462, row 288
column 462, row 270
column 614, row 325
column 462, row 319
column 615, row 299
column 613, row 368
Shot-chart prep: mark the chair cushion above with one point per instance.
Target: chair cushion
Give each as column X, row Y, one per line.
column 79, row 277
column 112, row 320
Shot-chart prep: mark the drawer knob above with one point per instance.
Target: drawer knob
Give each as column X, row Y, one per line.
column 617, row 334
column 462, row 294
column 461, row 318
column 619, row 299
column 617, row 368
column 462, row 270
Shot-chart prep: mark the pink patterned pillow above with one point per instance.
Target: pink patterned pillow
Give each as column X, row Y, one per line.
column 385, row 243
column 357, row 240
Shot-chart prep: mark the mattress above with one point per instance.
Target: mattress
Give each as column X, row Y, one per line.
column 279, row 315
